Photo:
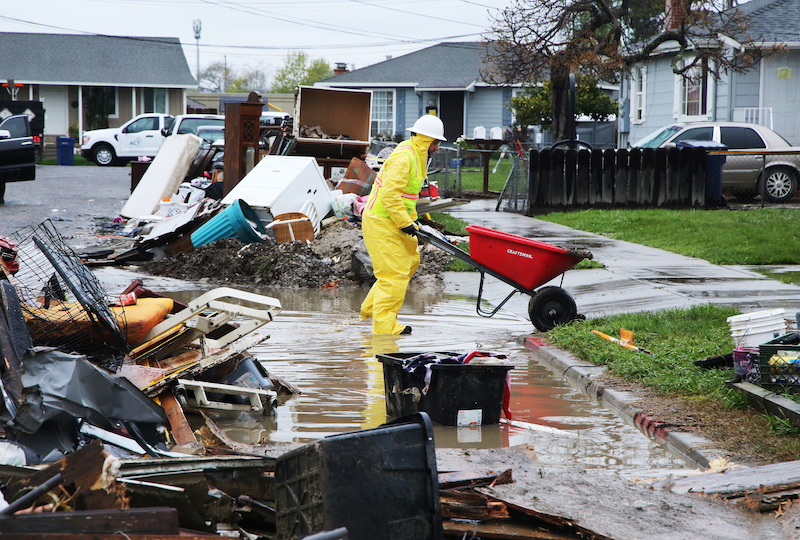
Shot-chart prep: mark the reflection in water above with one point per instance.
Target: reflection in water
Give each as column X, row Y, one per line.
column 319, row 344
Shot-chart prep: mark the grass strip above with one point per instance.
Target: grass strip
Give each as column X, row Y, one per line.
column 678, row 337
column 758, row 236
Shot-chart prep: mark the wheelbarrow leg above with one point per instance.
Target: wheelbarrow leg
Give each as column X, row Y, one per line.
column 488, row 314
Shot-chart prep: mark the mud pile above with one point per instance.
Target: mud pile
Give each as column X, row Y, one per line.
column 326, row 260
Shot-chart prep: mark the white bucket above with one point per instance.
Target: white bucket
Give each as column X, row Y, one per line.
column 753, row 329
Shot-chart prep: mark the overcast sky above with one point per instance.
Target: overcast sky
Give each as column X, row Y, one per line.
column 257, row 33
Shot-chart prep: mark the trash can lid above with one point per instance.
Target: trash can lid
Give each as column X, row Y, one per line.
column 708, row 145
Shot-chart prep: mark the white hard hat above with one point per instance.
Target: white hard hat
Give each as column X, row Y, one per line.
column 429, row 125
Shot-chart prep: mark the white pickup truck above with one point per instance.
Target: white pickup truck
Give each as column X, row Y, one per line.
column 140, row 136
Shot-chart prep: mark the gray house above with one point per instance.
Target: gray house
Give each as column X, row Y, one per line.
column 116, row 76
column 769, row 94
column 444, row 79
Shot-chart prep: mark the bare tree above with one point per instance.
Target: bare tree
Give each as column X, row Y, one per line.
column 534, row 39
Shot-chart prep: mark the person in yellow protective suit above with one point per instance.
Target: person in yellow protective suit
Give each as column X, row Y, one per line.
column 388, row 224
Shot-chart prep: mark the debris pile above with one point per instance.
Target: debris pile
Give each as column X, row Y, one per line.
column 327, row 259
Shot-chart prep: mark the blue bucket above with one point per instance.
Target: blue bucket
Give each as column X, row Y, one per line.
column 237, row 221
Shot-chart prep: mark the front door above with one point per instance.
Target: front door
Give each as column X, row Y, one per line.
column 56, row 110
column 451, row 105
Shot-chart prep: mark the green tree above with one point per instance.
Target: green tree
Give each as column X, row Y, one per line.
column 299, row 69
column 535, row 107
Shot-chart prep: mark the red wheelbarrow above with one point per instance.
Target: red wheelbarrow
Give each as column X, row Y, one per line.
column 524, row 264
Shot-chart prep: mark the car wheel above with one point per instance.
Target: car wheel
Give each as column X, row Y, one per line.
column 780, row 185
column 104, row 155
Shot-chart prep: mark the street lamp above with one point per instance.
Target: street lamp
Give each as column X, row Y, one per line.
column 197, row 25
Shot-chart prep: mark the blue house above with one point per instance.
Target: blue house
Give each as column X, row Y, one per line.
column 443, row 79
column 769, row 94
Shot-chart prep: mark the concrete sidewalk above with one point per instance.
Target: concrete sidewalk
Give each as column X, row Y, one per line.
column 635, row 277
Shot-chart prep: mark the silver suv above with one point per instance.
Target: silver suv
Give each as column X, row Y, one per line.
column 741, row 174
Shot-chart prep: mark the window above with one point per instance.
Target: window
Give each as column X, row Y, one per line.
column 17, row 127
column 694, row 93
column 382, row 121
column 638, row 89
column 143, row 124
column 102, row 101
column 736, row 138
column 155, row 100
column 696, row 134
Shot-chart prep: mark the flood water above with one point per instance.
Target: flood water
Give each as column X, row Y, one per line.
column 318, row 344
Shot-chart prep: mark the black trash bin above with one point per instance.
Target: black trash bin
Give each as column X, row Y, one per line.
column 475, row 390
column 65, row 150
column 379, row 483
column 714, row 163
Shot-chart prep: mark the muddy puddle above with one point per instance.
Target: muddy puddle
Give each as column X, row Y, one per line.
column 318, row 344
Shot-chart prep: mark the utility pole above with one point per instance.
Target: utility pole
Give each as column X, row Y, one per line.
column 197, row 25
column 225, row 74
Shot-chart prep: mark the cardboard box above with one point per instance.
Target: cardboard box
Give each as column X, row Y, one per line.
column 337, row 112
column 358, row 178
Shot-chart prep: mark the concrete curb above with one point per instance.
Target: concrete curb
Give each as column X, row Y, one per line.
column 583, row 375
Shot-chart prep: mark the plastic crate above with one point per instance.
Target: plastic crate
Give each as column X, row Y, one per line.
column 453, row 388
column 378, row 483
column 779, row 362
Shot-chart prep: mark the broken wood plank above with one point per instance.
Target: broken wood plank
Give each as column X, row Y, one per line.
column 185, row 440
column 473, row 478
column 604, row 506
column 471, row 505
column 153, row 520
column 736, row 482
column 84, row 474
column 504, row 530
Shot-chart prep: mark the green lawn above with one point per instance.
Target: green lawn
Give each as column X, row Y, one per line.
column 677, row 338
column 472, row 177
column 760, row 236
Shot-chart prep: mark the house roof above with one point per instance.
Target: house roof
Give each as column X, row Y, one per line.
column 774, row 20
column 453, row 65
column 94, row 60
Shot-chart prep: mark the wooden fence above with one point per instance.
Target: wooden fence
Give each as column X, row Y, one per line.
column 674, row 177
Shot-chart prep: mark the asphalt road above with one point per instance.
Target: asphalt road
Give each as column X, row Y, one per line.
column 73, row 197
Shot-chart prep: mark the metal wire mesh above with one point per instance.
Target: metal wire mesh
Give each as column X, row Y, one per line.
column 63, row 302
column 514, row 196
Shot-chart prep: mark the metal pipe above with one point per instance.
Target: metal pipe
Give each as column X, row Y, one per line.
column 29, row 498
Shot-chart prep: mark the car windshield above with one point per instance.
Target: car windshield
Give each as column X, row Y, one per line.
column 654, row 140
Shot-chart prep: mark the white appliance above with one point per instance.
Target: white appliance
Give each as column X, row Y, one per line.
column 281, row 184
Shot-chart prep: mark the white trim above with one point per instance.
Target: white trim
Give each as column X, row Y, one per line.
column 441, row 88
column 761, row 67
column 393, row 93
column 367, row 85
column 109, row 84
column 133, row 102
column 678, row 104
column 115, row 114
column 80, row 115
column 638, row 101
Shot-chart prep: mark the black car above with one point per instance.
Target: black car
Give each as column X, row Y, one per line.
column 17, row 151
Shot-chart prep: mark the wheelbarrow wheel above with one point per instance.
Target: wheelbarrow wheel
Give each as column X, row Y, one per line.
column 550, row 307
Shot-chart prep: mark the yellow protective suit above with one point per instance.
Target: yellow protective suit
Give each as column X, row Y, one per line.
column 394, row 254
